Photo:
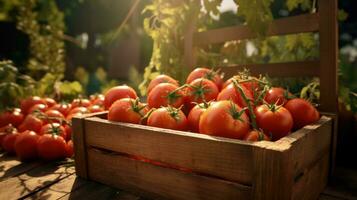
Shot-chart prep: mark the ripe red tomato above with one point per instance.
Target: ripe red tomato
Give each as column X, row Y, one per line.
column 224, row 119
column 274, row 120
column 255, row 135
column 26, row 145
column 53, row 116
column 194, row 116
column 206, row 73
column 168, row 117
column 232, row 93
column 9, row 140
column 302, row 111
column 26, row 104
column 127, row 110
column 49, row 102
column 51, row 147
column 165, row 94
column 97, row 99
column 118, row 92
column 4, row 131
column 12, row 116
column 69, row 149
column 64, row 108
column 53, row 128
column 95, row 108
column 80, row 103
column 201, row 90
column 38, row 107
column 276, row 95
column 161, row 79
column 32, row 123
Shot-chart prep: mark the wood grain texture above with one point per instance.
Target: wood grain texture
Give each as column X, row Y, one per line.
column 33, row 181
column 328, row 55
column 273, row 171
column 310, row 144
column 313, row 181
column 158, row 182
column 289, row 25
column 79, row 144
column 222, row 157
column 291, row 69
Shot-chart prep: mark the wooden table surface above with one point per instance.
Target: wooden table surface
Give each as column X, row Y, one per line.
column 57, row 180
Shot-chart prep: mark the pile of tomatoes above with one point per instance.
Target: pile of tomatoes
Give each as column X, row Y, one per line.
column 243, row 107
column 41, row 127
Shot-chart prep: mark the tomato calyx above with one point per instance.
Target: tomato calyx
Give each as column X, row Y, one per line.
column 199, row 91
column 233, row 111
column 274, row 107
column 135, row 106
column 211, row 74
column 204, row 104
column 174, row 112
column 174, row 95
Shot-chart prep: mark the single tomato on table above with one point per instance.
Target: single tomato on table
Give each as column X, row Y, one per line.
column 9, row 140
column 53, row 128
column 11, row 116
column 32, row 123
column 26, row 145
column 51, row 147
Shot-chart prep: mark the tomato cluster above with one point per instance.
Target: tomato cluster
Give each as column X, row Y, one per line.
column 41, row 127
column 243, row 107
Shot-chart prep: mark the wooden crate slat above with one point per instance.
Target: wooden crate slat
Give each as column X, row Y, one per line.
column 195, row 153
column 289, row 25
column 310, row 143
column 273, row 171
column 212, row 155
column 33, row 180
column 313, row 180
column 290, row 69
column 80, row 154
column 328, row 55
column 148, row 179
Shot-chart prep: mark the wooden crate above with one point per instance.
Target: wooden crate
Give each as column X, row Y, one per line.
column 294, row 167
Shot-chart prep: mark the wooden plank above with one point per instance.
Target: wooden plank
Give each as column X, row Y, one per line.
column 273, row 170
column 226, row 158
column 328, row 55
column 159, row 182
column 189, row 57
column 59, row 189
column 80, row 154
column 33, row 181
column 10, row 166
column 289, row 25
column 310, row 144
column 313, row 181
column 291, row 69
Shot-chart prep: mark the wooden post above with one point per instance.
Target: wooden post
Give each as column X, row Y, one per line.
column 272, row 171
column 80, row 151
column 328, row 55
